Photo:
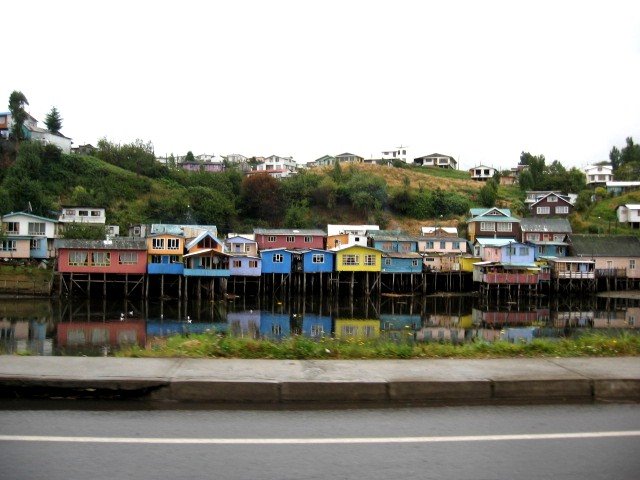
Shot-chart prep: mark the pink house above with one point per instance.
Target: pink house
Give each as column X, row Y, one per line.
column 291, row 239
column 119, row 255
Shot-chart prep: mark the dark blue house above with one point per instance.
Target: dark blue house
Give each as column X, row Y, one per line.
column 312, row 261
column 276, row 260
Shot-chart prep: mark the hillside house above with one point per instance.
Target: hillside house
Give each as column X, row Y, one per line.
column 547, row 235
column 269, row 238
column 629, row 214
column 398, row 153
column 598, row 174
column 338, row 235
column 615, row 188
column 79, row 214
column 482, row 173
column 436, row 160
column 492, row 223
column 551, row 205
column 28, row 236
column 349, row 158
column 438, row 231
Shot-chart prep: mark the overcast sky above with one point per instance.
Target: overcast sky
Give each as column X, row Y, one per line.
column 479, row 80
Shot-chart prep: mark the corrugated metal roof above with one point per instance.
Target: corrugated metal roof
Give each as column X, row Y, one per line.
column 116, row 243
column 288, row 231
column 605, row 246
column 536, row 224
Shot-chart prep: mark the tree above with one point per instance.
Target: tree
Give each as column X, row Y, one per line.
column 17, row 101
column 189, row 157
column 488, row 194
column 261, row 198
column 53, row 120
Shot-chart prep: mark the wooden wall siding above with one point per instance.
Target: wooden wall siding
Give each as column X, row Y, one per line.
column 139, row 257
column 289, row 241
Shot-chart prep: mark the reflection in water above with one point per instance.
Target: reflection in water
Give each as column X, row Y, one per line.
column 95, row 327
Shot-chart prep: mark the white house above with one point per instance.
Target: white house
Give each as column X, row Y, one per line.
column 598, row 174
column 436, row 160
column 93, row 215
column 398, row 153
column 33, row 132
column 28, row 236
column 629, row 213
column 482, row 173
column 275, row 162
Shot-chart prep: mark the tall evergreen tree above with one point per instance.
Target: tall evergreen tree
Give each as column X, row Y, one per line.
column 17, row 101
column 53, row 121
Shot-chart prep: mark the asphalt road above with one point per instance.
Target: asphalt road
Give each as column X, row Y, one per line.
column 559, row 442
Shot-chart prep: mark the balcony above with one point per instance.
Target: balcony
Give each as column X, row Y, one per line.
column 574, row 275
column 510, row 278
column 611, row 272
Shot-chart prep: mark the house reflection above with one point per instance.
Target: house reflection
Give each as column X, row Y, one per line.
column 90, row 336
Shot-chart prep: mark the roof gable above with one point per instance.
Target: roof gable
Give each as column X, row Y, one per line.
column 29, row 215
column 192, row 243
column 561, row 198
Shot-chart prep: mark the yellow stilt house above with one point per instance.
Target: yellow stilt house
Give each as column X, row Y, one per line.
column 356, row 258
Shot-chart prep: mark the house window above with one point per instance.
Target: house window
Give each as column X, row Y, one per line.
column 415, row 263
column 532, row 237
column 552, row 199
column 290, row 238
column 543, row 210
column 370, row 260
column 35, row 244
column 405, row 247
column 456, row 245
column 523, row 251
column 560, row 250
column 429, row 244
column 174, row 259
column 632, row 264
column 95, row 213
column 278, row 258
column 253, row 264
column 350, row 260
column 368, row 331
column 12, row 227
column 127, row 258
column 563, row 209
column 631, row 321
column 488, row 226
column 443, row 245
column 505, row 227
column 317, row 258
column 317, row 330
column 8, row 246
column 36, row 228
column 308, row 239
column 236, row 263
column 173, row 243
column 558, row 237
column 70, row 212
column 158, row 243
column 78, row 258
column 387, row 261
column 101, row 259
column 83, row 213
column 156, row 258
column 348, row 330
column 247, row 248
column 271, row 238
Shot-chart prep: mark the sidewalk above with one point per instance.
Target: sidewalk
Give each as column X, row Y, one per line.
column 352, row 382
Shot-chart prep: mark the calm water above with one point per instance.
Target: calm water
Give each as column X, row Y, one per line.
column 98, row 327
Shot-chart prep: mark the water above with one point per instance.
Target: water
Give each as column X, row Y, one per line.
column 100, row 327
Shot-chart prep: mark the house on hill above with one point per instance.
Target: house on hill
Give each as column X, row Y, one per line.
column 492, row 223
column 551, row 204
column 629, row 214
column 436, row 160
column 349, row 158
column 598, row 174
column 482, row 173
column 547, row 235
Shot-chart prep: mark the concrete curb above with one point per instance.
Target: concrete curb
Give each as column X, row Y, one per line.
column 353, row 383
